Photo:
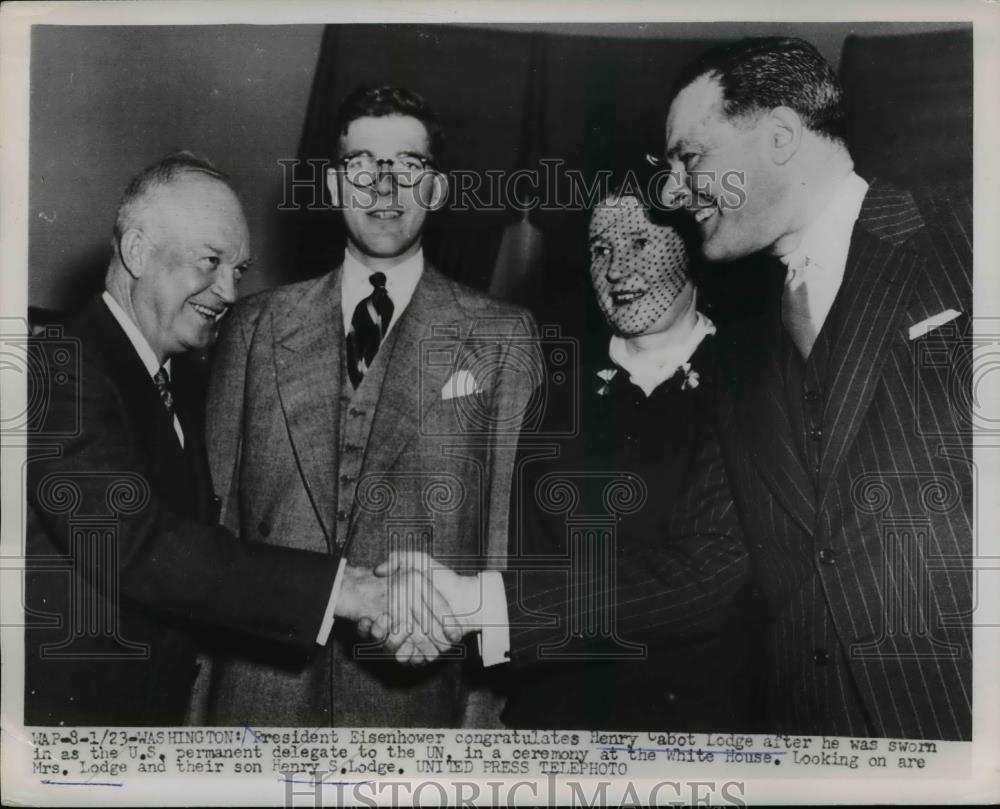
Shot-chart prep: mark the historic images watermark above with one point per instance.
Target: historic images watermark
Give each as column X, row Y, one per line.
column 320, row 790
column 551, row 186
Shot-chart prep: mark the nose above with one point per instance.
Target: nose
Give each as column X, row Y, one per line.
column 225, row 285
column 384, row 179
column 675, row 192
column 615, row 271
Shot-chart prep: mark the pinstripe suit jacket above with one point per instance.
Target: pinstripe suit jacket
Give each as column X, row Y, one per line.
column 863, row 560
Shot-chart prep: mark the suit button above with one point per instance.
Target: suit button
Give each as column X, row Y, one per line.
column 828, row 556
column 821, row 657
column 671, row 696
column 810, row 397
column 816, row 433
column 264, row 529
column 341, row 515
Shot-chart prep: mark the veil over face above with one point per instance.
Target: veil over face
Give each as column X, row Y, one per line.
column 639, row 269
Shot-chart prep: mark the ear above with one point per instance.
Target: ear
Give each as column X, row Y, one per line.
column 785, row 135
column 439, row 191
column 133, row 248
column 333, row 186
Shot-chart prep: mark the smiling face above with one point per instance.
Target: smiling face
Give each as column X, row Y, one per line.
column 639, row 270
column 730, row 183
column 187, row 254
column 384, row 221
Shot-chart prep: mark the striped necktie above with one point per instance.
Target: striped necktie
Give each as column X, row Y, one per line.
column 162, row 380
column 368, row 328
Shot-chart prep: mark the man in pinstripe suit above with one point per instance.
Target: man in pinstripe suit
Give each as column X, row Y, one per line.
column 842, row 409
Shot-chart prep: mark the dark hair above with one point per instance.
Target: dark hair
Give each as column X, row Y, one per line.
column 757, row 75
column 643, row 182
column 161, row 173
column 379, row 102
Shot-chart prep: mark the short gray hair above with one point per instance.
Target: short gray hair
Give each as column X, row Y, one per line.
column 162, row 172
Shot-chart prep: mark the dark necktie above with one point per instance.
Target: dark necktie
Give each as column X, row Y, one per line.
column 162, row 380
column 368, row 327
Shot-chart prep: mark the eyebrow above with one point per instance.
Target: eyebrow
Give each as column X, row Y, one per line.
column 212, row 248
column 403, row 153
column 685, row 146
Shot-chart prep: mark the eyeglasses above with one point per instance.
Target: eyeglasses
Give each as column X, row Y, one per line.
column 363, row 169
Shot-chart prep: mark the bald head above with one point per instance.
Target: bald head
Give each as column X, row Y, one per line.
column 181, row 246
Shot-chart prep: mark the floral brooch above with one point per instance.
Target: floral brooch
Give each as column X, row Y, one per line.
column 691, row 377
column 606, row 376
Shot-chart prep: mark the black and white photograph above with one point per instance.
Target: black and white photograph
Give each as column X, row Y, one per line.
column 400, row 398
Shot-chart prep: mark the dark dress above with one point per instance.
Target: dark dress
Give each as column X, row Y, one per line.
column 698, row 675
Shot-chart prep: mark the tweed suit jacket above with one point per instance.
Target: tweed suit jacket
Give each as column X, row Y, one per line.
column 864, row 560
column 427, row 470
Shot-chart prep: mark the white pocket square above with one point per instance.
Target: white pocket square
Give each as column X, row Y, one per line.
column 926, row 326
column 460, row 383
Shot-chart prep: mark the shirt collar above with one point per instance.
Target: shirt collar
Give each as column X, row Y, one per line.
column 400, row 282
column 135, row 336
column 827, row 239
column 650, row 368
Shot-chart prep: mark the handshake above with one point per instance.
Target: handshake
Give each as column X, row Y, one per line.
column 413, row 605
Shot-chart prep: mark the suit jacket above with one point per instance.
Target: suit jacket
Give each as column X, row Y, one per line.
column 863, row 550
column 399, row 464
column 125, row 558
column 635, row 642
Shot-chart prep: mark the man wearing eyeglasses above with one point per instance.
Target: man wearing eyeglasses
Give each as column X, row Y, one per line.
column 373, row 408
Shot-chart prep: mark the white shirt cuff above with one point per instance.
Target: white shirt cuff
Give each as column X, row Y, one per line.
column 494, row 639
column 326, row 627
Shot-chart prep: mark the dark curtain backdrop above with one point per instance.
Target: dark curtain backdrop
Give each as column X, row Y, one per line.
column 509, row 99
column 910, row 106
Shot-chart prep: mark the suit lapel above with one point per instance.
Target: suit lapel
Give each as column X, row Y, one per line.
column 190, row 398
column 877, row 287
column 307, row 371
column 142, row 401
column 413, row 382
column 757, row 386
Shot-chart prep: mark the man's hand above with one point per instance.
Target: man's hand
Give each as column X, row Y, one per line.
column 406, row 607
column 460, row 593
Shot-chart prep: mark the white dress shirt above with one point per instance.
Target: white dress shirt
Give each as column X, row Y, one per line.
column 820, row 258
column 142, row 348
column 400, row 282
